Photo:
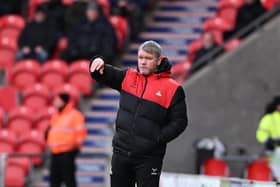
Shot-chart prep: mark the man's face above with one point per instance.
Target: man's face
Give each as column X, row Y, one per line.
column 147, row 62
column 278, row 107
column 39, row 17
column 58, row 102
column 92, row 14
column 208, row 40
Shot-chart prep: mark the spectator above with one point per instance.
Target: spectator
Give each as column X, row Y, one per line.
column 208, row 45
column 56, row 10
column 37, row 39
column 95, row 36
column 267, row 132
column 65, row 137
column 251, row 10
column 75, row 15
column 133, row 11
column 10, row 7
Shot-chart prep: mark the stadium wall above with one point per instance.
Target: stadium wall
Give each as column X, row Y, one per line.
column 227, row 99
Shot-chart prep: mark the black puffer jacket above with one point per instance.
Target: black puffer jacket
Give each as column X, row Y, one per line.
column 152, row 109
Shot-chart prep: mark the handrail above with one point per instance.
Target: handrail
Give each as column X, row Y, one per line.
column 255, row 24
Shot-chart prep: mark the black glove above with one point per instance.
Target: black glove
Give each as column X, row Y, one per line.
column 270, row 144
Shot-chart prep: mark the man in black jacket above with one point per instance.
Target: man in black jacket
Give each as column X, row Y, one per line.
column 152, row 113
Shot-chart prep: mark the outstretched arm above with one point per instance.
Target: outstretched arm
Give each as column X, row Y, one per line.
column 106, row 74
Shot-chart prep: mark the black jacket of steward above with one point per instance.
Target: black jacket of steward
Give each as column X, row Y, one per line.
column 152, row 109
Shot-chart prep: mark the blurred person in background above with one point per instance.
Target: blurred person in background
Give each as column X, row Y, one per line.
column 95, row 36
column 37, row 40
column 55, row 13
column 65, row 137
column 134, row 11
column 268, row 132
column 249, row 11
column 208, row 44
column 11, row 7
column 75, row 15
column 152, row 113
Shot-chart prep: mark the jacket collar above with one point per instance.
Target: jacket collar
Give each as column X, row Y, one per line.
column 163, row 70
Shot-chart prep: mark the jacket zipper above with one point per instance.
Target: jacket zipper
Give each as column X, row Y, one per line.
column 145, row 85
column 144, row 89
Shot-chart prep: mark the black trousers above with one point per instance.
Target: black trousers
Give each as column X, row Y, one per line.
column 62, row 169
column 128, row 170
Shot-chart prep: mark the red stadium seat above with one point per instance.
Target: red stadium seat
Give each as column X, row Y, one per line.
column 14, row 176
column 228, row 9
column 15, row 21
column 61, row 46
column 25, row 73
column 259, row 170
column 2, row 117
column 21, row 120
column 105, row 4
column 232, row 44
column 79, row 76
column 217, row 25
column 180, row 71
column 8, row 98
column 11, row 26
column 215, row 167
column 269, row 4
column 8, row 141
column 22, row 162
column 43, row 119
column 71, row 90
column 54, row 72
column 67, row 2
column 36, row 97
column 8, row 48
column 32, row 143
column 121, row 29
column 193, row 47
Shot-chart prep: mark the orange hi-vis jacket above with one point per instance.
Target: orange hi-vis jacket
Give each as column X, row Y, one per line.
column 67, row 131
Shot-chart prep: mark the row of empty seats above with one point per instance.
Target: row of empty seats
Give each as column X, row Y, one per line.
column 255, row 170
column 31, row 142
column 22, row 120
column 52, row 75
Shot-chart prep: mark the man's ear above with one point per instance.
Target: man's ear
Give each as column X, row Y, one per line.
column 160, row 59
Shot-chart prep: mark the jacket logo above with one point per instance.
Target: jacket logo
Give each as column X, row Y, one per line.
column 158, row 94
column 133, row 85
column 154, row 171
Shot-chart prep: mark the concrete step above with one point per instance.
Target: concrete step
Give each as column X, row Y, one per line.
column 101, row 113
column 105, row 102
column 173, row 13
column 174, row 24
column 198, row 3
column 169, row 35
